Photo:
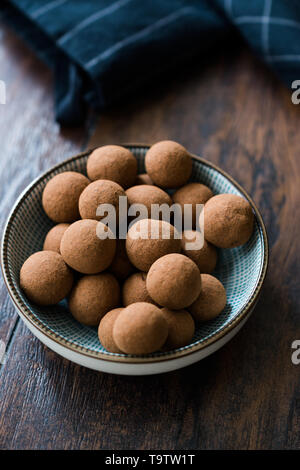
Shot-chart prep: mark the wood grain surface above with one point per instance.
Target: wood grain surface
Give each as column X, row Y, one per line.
column 234, row 112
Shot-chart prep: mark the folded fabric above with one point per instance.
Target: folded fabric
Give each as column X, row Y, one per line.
column 102, row 51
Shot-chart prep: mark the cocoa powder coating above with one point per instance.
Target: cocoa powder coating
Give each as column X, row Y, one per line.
column 97, row 193
column 114, row 163
column 211, row 301
column 168, row 164
column 140, row 329
column 143, row 251
column 134, row 290
column 93, row 296
column 181, row 328
column 54, row 236
column 83, row 250
column 106, row 328
column 192, row 193
column 174, row 281
column 228, row 220
column 148, row 195
column 205, row 257
column 45, row 278
column 61, row 195
column 143, row 178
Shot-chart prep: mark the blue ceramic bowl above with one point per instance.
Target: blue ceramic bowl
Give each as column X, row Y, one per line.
column 241, row 270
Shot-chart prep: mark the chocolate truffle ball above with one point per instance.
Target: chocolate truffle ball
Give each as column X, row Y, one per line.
column 148, row 195
column 174, row 281
column 157, row 239
column 140, row 329
column 100, row 192
column 228, row 220
column 54, row 236
column 93, row 296
column 134, row 290
column 205, row 257
column 114, row 163
column 106, row 328
column 143, row 178
column 83, row 250
column 211, row 301
column 61, row 195
column 45, row 278
column 168, row 164
column 121, row 267
column 192, row 193
column 181, row 328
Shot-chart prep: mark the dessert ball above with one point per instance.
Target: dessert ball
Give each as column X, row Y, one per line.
column 192, row 193
column 83, row 250
column 205, row 257
column 228, row 220
column 168, row 164
column 140, row 329
column 143, row 178
column 134, row 290
column 174, row 281
column 121, row 267
column 45, row 278
column 211, row 301
column 157, row 238
column 97, row 193
column 54, row 236
column 93, row 296
column 181, row 328
column 106, row 328
column 148, row 195
column 61, row 195
column 114, row 163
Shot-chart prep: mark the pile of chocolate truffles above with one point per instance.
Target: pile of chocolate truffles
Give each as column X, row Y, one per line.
column 144, row 294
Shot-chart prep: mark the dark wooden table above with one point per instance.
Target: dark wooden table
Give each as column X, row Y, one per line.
column 247, row 395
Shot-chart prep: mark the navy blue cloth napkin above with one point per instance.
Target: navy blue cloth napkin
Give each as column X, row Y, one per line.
column 101, row 51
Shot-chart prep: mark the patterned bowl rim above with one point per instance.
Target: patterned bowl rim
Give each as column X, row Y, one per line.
column 24, row 310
